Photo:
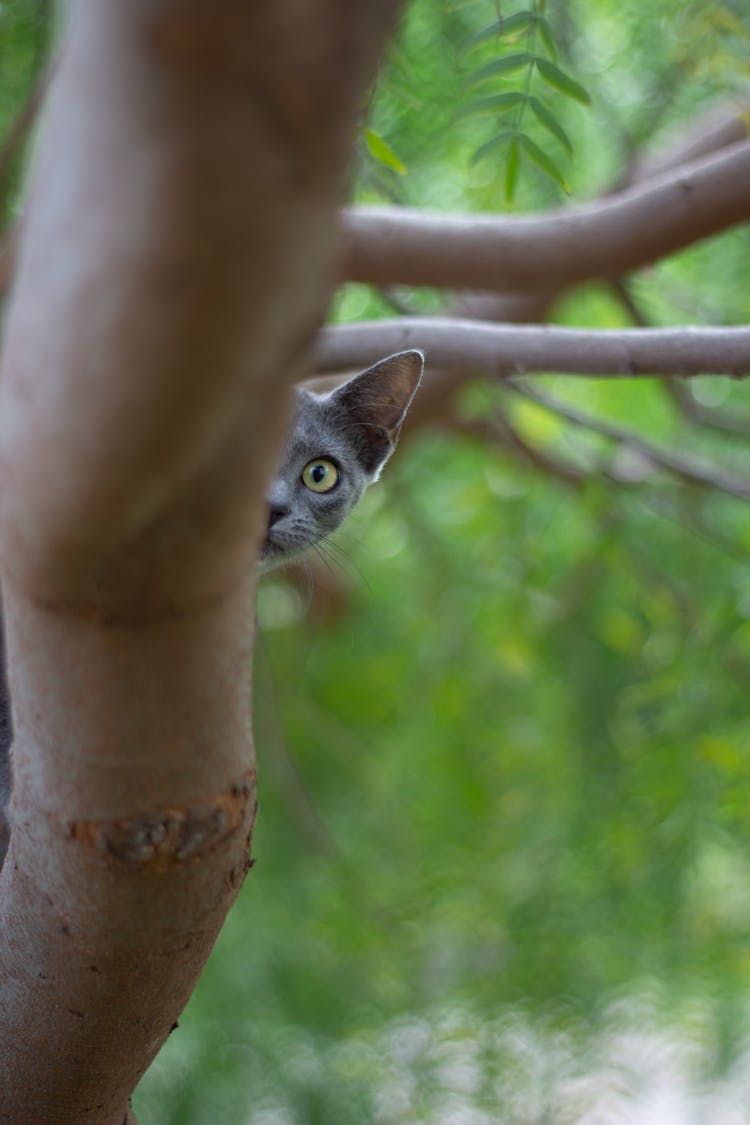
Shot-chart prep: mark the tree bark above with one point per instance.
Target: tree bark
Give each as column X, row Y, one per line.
column 179, row 249
column 504, row 349
column 602, row 239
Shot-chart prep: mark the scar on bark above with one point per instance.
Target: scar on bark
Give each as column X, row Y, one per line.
column 160, row 839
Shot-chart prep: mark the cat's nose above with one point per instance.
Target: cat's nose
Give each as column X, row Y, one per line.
column 276, row 512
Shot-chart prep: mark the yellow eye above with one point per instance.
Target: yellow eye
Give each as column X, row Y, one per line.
column 320, row 475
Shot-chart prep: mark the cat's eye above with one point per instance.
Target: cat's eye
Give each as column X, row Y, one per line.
column 320, row 475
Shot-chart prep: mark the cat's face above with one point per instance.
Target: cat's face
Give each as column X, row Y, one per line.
column 336, row 446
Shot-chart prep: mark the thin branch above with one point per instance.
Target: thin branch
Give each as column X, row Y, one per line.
column 720, row 127
column 680, row 395
column 737, row 426
column 689, row 516
column 603, row 239
column 689, row 469
column 498, row 430
column 503, row 350
column 623, row 294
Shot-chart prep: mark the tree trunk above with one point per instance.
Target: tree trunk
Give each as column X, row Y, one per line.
column 178, row 252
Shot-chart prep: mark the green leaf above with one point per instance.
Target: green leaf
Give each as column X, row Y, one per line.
column 550, row 122
column 494, row 103
column 547, row 37
column 383, row 152
column 494, row 142
column 511, row 169
column 561, row 81
column 543, row 161
column 517, row 22
column 502, row 66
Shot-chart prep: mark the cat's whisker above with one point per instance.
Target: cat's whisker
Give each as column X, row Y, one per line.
column 345, row 560
column 324, row 556
column 355, row 531
column 334, row 547
column 309, row 584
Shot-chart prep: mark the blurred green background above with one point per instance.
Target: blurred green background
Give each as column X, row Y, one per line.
column 503, row 744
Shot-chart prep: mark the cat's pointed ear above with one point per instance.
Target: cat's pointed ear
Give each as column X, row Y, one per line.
column 376, row 402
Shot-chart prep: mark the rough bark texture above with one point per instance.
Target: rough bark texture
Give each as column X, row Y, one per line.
column 180, row 245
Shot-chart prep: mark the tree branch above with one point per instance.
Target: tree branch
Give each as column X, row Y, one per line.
column 503, row 350
column 604, row 239
column 717, row 129
column 721, row 420
column 689, row 469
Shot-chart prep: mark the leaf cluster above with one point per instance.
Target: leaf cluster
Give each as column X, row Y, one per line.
column 510, row 108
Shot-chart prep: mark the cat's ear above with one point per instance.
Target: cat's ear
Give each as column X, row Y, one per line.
column 376, row 402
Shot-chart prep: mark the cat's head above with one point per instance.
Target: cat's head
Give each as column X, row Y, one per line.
column 336, row 445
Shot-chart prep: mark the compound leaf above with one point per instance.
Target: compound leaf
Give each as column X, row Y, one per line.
column 546, row 118
column 561, row 81
column 543, row 161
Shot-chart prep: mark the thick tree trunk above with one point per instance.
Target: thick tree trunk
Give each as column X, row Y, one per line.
column 178, row 253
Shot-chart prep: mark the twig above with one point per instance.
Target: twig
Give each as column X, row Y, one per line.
column 687, row 406
column 498, row 429
column 721, row 420
column 689, row 469
column 720, row 127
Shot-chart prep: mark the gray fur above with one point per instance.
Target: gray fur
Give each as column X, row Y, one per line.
column 356, row 427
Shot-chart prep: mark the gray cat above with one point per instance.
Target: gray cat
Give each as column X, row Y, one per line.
column 336, row 446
